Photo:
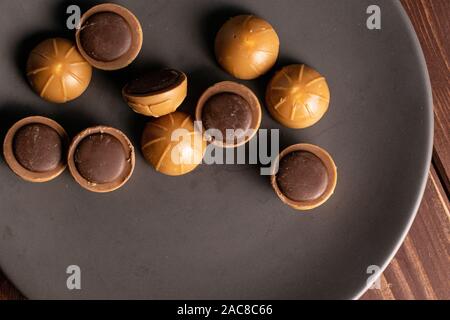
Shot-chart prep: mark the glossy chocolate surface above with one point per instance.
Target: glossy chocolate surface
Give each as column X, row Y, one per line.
column 38, row 147
column 106, row 36
column 100, row 158
column 302, row 176
column 153, row 82
column 227, row 111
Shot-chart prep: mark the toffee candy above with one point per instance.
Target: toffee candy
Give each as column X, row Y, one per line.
column 306, row 176
column 110, row 36
column 247, row 47
column 229, row 106
column 157, row 93
column 298, row 96
column 34, row 149
column 101, row 159
column 57, row 71
column 173, row 158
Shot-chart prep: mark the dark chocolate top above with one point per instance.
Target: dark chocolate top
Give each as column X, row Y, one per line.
column 38, row 147
column 154, row 82
column 100, row 158
column 302, row 176
column 106, row 36
column 227, row 111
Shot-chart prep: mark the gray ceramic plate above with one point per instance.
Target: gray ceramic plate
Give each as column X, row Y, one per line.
column 221, row 232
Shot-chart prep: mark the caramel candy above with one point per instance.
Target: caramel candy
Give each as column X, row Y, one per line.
column 110, row 36
column 298, row 96
column 232, row 110
column 101, row 159
column 306, row 176
column 34, row 149
column 156, row 93
column 172, row 145
column 57, row 71
column 247, row 47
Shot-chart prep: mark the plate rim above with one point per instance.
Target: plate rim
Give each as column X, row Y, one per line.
column 430, row 124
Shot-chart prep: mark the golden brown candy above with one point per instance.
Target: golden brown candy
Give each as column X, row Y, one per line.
column 57, row 71
column 298, row 96
column 172, row 145
column 300, row 167
column 247, row 47
column 156, row 93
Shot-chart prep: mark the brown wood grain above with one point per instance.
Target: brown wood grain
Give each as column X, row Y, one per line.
column 431, row 20
column 421, row 268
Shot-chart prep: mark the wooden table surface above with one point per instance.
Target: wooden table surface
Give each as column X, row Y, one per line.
column 421, row 268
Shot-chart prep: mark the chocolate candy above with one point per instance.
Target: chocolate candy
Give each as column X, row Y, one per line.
column 101, row 159
column 298, row 96
column 57, row 71
column 172, row 145
column 35, row 147
column 110, row 36
column 302, row 176
column 306, row 176
column 227, row 111
column 114, row 40
column 229, row 106
column 247, row 47
column 156, row 93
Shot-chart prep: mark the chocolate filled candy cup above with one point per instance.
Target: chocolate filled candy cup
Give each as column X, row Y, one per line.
column 101, row 159
column 229, row 113
column 304, row 177
column 110, row 36
column 156, row 93
column 35, row 149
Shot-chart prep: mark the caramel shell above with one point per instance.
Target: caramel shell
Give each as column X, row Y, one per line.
column 57, row 72
column 298, row 96
column 173, row 158
column 247, row 47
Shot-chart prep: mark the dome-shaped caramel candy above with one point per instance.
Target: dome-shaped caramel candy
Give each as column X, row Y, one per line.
column 247, row 47
column 172, row 145
column 57, row 71
column 298, row 96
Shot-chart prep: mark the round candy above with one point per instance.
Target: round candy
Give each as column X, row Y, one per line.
column 247, row 47
column 101, row 159
column 298, row 96
column 110, row 37
column 106, row 36
column 38, row 147
column 156, row 93
column 230, row 114
column 35, row 147
column 57, row 71
column 172, row 145
column 306, row 177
